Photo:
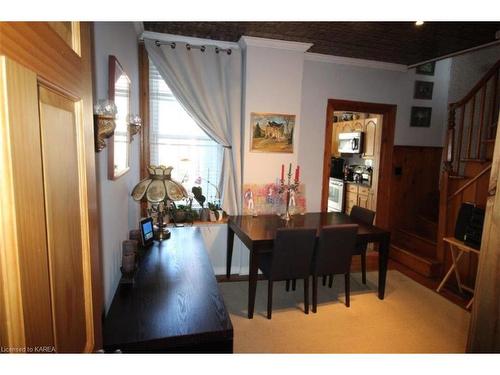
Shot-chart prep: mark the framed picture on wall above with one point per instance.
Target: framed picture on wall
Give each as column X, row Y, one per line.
column 426, row 69
column 271, row 132
column 421, row 117
column 423, row 90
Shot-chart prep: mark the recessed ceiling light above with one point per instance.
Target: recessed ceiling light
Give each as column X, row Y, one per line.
column 419, row 23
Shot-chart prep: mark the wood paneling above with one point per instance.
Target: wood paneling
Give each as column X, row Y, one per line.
column 58, row 125
column 415, row 190
column 484, row 334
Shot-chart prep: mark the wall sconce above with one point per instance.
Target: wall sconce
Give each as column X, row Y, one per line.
column 104, row 122
column 134, row 125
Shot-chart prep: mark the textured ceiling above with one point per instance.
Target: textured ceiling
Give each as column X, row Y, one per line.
column 396, row 42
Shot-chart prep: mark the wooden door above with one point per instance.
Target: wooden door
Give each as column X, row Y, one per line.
column 49, row 244
column 370, row 137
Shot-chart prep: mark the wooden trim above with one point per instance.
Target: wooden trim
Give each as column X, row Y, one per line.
column 388, row 111
column 470, row 182
column 144, row 110
column 86, row 32
column 11, row 312
column 484, row 333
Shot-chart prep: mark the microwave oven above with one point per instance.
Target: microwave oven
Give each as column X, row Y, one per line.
column 351, row 143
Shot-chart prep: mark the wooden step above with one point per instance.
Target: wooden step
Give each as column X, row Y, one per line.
column 414, row 242
column 426, row 227
column 474, row 160
column 424, row 266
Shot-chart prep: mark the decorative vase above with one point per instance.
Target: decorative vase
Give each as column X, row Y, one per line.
column 204, row 214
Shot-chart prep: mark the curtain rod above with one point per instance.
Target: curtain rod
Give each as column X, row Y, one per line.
column 189, row 46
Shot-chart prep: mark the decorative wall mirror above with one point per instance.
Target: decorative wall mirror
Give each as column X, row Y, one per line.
column 119, row 143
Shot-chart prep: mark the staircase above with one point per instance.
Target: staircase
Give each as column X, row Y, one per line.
column 467, row 154
column 472, row 124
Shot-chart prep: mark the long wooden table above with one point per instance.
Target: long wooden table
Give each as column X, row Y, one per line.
column 258, row 233
column 174, row 306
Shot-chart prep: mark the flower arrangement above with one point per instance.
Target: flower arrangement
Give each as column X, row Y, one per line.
column 289, row 189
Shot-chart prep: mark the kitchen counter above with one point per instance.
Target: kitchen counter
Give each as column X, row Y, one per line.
column 358, row 183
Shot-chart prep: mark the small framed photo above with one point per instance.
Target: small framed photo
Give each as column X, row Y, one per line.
column 421, row 117
column 426, row 69
column 423, row 90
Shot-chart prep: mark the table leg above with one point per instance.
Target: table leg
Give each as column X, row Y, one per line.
column 383, row 260
column 252, row 281
column 229, row 255
column 448, row 274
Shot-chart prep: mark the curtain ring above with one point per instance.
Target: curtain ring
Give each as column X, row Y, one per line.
column 229, row 51
column 202, row 48
column 216, row 49
column 157, row 43
column 188, row 47
column 172, row 45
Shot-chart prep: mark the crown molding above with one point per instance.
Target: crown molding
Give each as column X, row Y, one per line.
column 188, row 40
column 355, row 62
column 251, row 41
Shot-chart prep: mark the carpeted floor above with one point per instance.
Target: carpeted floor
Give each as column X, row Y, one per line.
column 411, row 319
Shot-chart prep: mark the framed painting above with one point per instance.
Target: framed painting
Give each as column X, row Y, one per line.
column 426, row 69
column 271, row 132
column 423, row 90
column 421, row 117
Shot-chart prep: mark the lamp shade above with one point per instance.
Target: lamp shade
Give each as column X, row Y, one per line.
column 159, row 186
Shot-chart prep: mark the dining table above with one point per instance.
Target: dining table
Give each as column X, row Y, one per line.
column 257, row 233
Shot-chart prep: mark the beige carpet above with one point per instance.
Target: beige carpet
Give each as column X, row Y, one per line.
column 411, row 319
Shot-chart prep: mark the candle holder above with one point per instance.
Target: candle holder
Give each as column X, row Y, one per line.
column 286, row 189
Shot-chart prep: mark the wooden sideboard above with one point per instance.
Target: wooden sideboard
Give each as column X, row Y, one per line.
column 174, row 306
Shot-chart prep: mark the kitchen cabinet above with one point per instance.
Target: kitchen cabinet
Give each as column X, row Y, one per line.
column 370, row 129
column 367, row 126
column 358, row 195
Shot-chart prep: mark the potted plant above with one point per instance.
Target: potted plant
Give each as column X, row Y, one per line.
column 183, row 212
column 216, row 208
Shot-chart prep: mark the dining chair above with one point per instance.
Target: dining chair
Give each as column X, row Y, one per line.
column 363, row 216
column 290, row 259
column 333, row 255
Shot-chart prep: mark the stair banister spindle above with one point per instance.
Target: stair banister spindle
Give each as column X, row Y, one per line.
column 450, row 138
column 460, row 136
column 481, row 120
column 471, row 127
column 494, row 108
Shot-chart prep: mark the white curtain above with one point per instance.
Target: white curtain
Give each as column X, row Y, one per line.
column 208, row 86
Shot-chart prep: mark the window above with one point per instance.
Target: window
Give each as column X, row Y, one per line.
column 177, row 141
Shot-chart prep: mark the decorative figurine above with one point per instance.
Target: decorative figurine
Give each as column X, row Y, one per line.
column 289, row 189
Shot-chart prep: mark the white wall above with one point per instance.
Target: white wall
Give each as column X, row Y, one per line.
column 468, row 69
column 326, row 80
column 118, row 212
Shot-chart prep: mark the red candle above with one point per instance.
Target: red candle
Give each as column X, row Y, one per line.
column 282, row 172
column 297, row 173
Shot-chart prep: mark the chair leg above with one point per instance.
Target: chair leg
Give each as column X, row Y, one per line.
column 324, row 280
column 287, row 285
column 315, row 293
column 293, row 284
column 363, row 266
column 347, row 289
column 306, row 295
column 330, row 281
column 269, row 298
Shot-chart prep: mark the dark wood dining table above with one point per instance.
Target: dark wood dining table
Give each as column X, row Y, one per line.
column 258, row 233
